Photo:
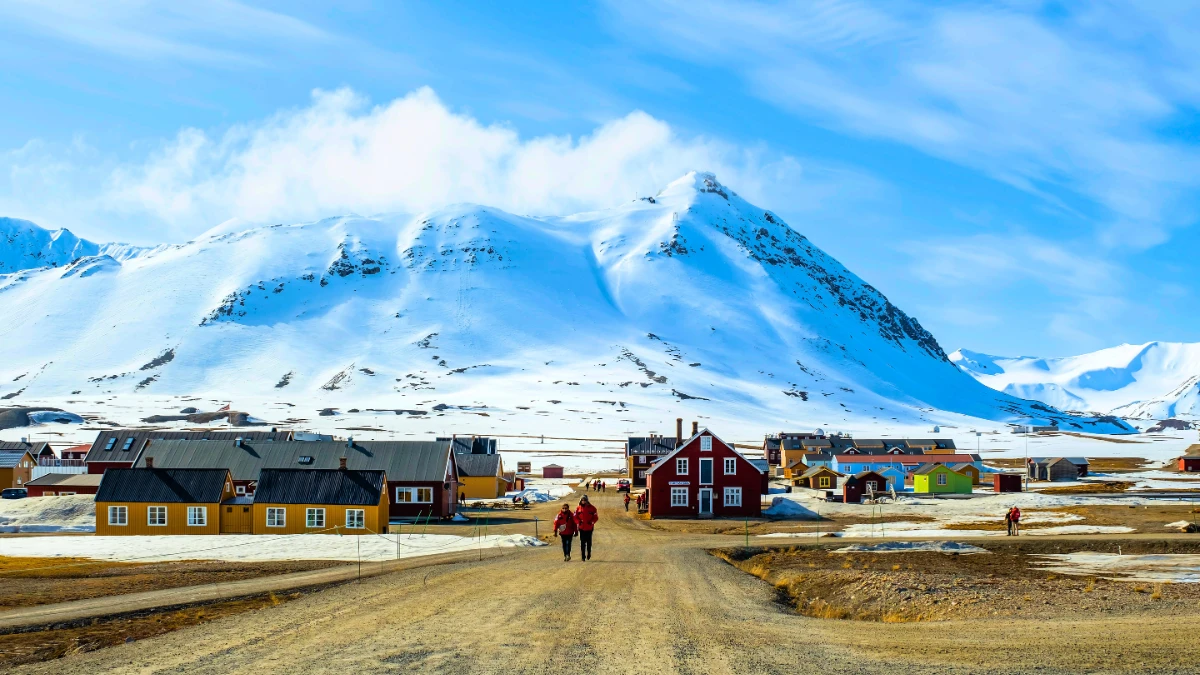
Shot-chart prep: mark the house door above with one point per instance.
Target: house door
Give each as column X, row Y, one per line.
column 705, row 501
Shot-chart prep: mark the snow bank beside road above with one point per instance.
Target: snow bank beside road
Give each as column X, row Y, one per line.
column 256, row 547
column 72, row 513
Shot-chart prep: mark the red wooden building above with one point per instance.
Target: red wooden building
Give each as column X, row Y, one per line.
column 704, row 477
column 552, row 471
column 1189, row 463
column 1007, row 482
column 861, row 485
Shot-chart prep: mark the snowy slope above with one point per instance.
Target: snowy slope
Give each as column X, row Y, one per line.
column 692, row 298
column 1155, row 380
column 25, row 245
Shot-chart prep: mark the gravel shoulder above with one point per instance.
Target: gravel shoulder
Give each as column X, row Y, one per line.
column 650, row 602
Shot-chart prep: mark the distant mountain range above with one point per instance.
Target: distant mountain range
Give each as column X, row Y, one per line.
column 691, row 297
column 1157, row 380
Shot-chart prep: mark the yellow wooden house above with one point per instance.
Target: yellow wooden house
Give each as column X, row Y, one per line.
column 320, row 501
column 153, row 501
column 480, row 476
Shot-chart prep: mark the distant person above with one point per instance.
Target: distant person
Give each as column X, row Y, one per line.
column 585, row 518
column 1016, row 521
column 524, row 500
column 604, row 486
column 1008, row 524
column 565, row 528
column 627, row 502
column 462, row 498
column 587, row 486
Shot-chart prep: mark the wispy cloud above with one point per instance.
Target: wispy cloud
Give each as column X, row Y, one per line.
column 213, row 32
column 1064, row 105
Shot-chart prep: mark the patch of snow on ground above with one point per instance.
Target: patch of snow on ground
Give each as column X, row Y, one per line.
column 786, row 508
column 905, row 546
column 1160, row 568
column 72, row 513
column 257, row 547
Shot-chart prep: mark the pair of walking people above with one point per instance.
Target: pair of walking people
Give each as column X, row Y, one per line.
column 581, row 522
column 1012, row 520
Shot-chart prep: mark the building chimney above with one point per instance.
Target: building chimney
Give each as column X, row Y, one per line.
column 342, row 463
column 25, row 440
column 678, row 431
column 149, row 462
column 349, row 441
column 237, row 442
column 695, row 427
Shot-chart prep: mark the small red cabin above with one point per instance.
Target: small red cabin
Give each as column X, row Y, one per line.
column 862, row 484
column 704, row 477
column 1189, row 463
column 552, row 471
column 1006, row 482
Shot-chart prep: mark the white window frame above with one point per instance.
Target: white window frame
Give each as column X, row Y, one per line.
column 941, row 479
column 733, row 496
column 414, row 495
column 150, row 518
column 641, row 473
column 712, row 474
column 872, row 486
column 358, row 521
column 730, row 466
column 679, row 496
column 240, row 490
column 118, row 515
column 193, row 520
column 681, row 466
column 314, row 518
column 706, row 444
column 278, row 515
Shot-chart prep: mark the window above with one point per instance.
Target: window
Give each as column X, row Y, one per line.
column 679, row 496
column 128, row 443
column 849, row 468
column 411, row 495
column 706, row 443
column 314, row 518
column 118, row 515
column 356, row 519
column 641, row 473
column 641, row 459
column 109, row 445
column 276, row 517
column 681, row 466
column 197, row 516
column 730, row 466
column 706, row 471
column 156, row 516
column 823, row 481
column 941, row 479
column 872, row 486
column 241, row 489
column 304, row 459
column 733, row 496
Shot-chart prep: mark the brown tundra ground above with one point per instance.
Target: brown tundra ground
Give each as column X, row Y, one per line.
column 654, row 601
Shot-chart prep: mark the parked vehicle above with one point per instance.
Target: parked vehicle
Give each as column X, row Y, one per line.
column 14, row 493
column 623, row 485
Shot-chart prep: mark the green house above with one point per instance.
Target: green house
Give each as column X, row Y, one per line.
column 938, row 478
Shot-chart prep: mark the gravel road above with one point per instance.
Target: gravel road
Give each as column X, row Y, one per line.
column 649, row 602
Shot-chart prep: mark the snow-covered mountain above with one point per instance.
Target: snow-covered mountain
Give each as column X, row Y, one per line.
column 25, row 245
column 1156, row 380
column 692, row 298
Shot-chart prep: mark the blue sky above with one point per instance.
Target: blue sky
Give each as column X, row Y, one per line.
column 1021, row 176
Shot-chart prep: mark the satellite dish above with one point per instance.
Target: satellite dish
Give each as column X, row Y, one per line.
column 820, row 432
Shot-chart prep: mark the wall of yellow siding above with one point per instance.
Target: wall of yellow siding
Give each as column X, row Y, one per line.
column 138, row 516
column 237, row 519
column 481, row 487
column 375, row 518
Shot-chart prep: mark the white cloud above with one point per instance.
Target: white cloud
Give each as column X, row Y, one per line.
column 1067, row 106
column 413, row 154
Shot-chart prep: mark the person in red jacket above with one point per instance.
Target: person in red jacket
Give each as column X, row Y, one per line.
column 1016, row 521
column 626, row 501
column 586, row 517
column 565, row 528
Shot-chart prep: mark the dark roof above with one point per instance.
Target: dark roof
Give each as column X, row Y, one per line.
column 818, row 469
column 164, row 486
column 402, row 461
column 864, row 474
column 470, row 445
column 928, row 468
column 67, row 479
column 35, row 449
column 650, row 445
column 1077, row 461
column 120, row 437
column 10, row 458
column 478, row 465
column 761, row 465
column 770, row 443
column 961, row 465
column 319, row 486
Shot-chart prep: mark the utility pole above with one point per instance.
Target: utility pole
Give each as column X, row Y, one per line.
column 1028, row 430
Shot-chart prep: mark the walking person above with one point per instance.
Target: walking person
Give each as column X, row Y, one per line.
column 585, row 519
column 1016, row 521
column 1008, row 524
column 565, row 528
column 626, row 502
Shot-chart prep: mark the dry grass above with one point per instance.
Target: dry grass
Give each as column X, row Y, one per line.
column 1098, row 487
column 1158, row 592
